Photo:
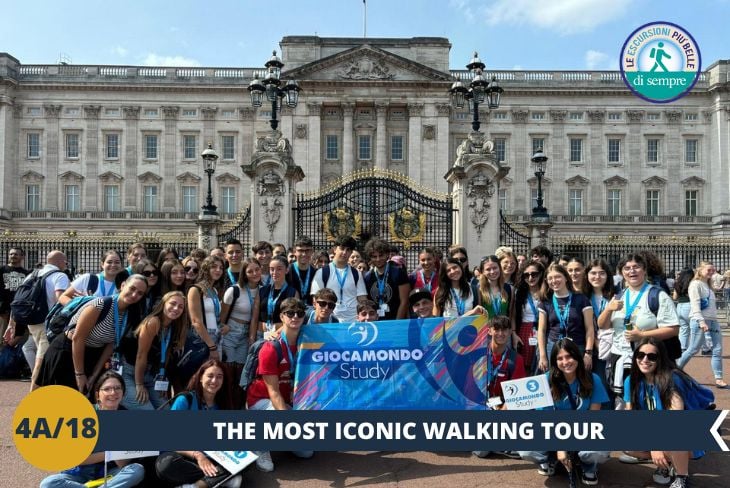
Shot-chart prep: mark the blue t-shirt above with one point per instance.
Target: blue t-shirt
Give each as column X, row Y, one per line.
column 182, row 403
column 598, row 395
column 644, row 388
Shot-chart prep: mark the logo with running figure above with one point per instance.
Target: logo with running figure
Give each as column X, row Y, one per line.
column 660, row 62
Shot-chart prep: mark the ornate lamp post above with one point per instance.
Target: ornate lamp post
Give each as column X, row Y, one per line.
column 480, row 91
column 539, row 160
column 270, row 87
column 210, row 158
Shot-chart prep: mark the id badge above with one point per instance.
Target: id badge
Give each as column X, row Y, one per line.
column 494, row 402
column 383, row 309
column 116, row 364
column 161, row 383
column 532, row 340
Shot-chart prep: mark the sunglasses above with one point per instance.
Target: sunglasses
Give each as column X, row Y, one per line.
column 650, row 356
column 535, row 274
column 462, row 260
column 150, row 274
column 323, row 304
column 295, row 313
column 109, row 389
column 188, row 269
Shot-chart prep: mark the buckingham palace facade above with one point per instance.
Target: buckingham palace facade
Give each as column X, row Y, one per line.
column 111, row 148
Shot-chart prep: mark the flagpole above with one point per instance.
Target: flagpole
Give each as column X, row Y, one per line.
column 364, row 18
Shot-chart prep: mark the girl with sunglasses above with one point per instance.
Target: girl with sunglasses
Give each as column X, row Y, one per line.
column 573, row 387
column 530, row 292
column 651, row 385
column 569, row 315
column 272, row 388
column 239, row 302
column 147, row 268
column 191, row 266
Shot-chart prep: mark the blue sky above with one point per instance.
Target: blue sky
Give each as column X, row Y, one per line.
column 509, row 34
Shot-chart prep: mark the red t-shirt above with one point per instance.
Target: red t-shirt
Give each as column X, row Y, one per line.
column 269, row 364
column 495, row 386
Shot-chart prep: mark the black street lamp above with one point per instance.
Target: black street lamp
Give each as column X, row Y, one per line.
column 210, row 158
column 480, row 91
column 270, row 87
column 539, row 160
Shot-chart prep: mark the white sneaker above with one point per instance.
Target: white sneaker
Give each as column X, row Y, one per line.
column 235, row 482
column 264, row 462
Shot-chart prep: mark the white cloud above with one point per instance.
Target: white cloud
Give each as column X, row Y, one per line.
column 564, row 16
column 595, row 59
column 465, row 8
column 120, row 51
column 153, row 59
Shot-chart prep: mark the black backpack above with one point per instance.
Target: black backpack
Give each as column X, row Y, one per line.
column 30, row 307
column 59, row 316
column 252, row 361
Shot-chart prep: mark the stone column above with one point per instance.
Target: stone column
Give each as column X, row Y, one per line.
column 672, row 203
column 168, row 159
column 522, row 163
column 9, row 151
column 474, row 179
column 381, row 144
column 286, row 121
column 273, row 190
column 209, row 114
column 52, row 156
column 415, row 114
column 207, row 231
column 131, row 158
column 442, row 158
column 348, row 164
column 596, row 152
column 91, row 157
column 632, row 195
column 313, row 138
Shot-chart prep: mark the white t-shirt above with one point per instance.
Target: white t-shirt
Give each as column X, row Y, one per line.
column 642, row 318
column 451, row 310
column 103, row 289
column 54, row 282
column 346, row 308
column 241, row 311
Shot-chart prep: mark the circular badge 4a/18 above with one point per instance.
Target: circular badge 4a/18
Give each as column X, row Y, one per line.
column 660, row 62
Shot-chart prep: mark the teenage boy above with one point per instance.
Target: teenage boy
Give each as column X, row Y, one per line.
column 301, row 272
column 421, row 303
column 263, row 252
column 272, row 388
column 345, row 280
column 234, row 257
column 367, row 311
column 325, row 302
column 135, row 253
column 386, row 283
column 503, row 364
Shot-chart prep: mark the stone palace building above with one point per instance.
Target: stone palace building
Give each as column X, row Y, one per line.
column 117, row 148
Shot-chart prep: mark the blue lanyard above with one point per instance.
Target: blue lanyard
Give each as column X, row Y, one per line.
column 164, row 342
column 631, row 306
column 533, row 307
column 427, row 284
column 492, row 372
column 649, row 396
column 119, row 326
column 563, row 316
column 381, row 283
column 598, row 307
column 216, row 306
column 271, row 303
column 102, row 287
column 341, row 278
column 496, row 303
column 304, row 285
column 129, row 270
column 458, row 301
column 231, row 276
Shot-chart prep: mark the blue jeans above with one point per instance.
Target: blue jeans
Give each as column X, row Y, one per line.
column 683, row 314
column 696, row 341
column 589, row 459
column 154, row 401
column 126, row 477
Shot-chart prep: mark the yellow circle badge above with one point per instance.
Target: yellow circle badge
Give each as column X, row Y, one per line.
column 55, row 428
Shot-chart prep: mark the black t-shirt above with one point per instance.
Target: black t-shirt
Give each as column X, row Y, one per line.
column 391, row 295
column 575, row 324
column 10, row 279
column 297, row 280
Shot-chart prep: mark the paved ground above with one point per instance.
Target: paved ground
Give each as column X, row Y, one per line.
column 406, row 469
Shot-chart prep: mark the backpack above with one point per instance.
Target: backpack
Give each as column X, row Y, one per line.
column 30, row 306
column 59, row 317
column 251, row 367
column 674, row 347
column 694, row 395
column 12, row 361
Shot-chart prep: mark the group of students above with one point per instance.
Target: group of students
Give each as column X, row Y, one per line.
column 184, row 327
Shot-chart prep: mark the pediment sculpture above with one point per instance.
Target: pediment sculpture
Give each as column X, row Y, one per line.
column 365, row 68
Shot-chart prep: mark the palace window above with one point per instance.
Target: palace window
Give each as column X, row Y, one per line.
column 690, row 202
column 72, row 201
column 229, row 147
column 190, row 199
column 652, row 150
column 576, row 150
column 34, row 145
column 150, row 146
column 72, row 145
column 500, row 148
column 690, row 150
column 149, row 198
column 331, row 147
column 112, row 202
column 112, row 146
column 364, row 148
column 396, row 148
column 652, row 202
column 614, row 150
column 613, row 204
column 575, row 202
column 33, row 198
column 189, row 146
column 228, row 199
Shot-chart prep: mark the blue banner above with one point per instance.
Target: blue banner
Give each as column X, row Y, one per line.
column 418, row 364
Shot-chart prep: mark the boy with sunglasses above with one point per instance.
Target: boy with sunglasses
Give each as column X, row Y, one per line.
column 325, row 302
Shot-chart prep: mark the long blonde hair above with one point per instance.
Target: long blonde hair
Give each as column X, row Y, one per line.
column 700, row 269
